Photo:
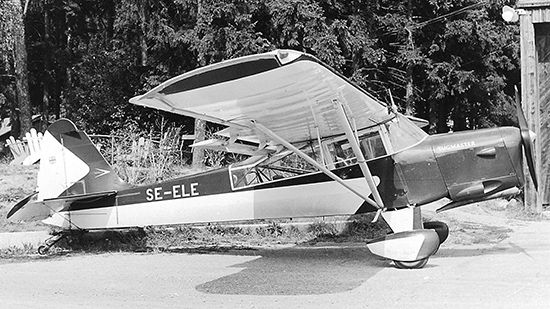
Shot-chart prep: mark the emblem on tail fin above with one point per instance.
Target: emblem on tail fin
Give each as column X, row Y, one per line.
column 101, row 172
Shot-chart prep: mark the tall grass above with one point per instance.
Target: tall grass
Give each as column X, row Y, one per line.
column 144, row 158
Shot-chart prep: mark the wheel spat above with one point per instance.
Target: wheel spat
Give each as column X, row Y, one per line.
column 526, row 140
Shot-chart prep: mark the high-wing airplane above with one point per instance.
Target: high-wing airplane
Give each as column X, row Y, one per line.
column 317, row 145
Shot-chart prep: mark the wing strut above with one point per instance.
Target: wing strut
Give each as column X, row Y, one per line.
column 323, row 169
column 352, row 138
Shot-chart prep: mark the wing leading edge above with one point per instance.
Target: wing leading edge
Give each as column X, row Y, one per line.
column 290, row 92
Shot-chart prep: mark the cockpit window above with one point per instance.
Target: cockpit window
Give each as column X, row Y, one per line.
column 273, row 168
column 341, row 153
column 372, row 146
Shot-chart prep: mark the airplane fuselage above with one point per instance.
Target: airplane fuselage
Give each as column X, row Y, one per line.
column 464, row 166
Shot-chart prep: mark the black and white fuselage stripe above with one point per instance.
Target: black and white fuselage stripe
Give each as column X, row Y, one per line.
column 209, row 197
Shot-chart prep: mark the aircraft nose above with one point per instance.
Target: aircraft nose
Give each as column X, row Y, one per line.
column 512, row 140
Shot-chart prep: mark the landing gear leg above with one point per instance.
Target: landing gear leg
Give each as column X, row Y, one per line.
column 43, row 250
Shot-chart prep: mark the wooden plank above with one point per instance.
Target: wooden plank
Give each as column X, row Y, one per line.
column 541, row 15
column 525, row 4
column 544, row 99
column 530, row 96
column 542, row 43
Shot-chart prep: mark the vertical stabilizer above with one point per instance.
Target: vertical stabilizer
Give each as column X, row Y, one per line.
column 72, row 165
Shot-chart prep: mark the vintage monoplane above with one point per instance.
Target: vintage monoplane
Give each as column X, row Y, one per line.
column 351, row 154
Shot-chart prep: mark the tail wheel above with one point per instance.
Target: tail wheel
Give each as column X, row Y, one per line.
column 43, row 250
column 440, row 228
column 411, row 265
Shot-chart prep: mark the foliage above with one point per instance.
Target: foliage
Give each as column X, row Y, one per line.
column 448, row 61
column 322, row 229
column 140, row 157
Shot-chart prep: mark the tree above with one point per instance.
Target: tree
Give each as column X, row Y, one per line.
column 443, row 60
column 14, row 58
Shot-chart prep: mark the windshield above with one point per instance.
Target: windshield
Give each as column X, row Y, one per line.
column 403, row 133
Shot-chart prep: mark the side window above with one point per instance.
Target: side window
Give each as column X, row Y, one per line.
column 372, row 146
column 341, row 153
column 243, row 176
column 272, row 168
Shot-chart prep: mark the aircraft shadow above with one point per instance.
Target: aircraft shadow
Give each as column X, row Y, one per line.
column 300, row 271
column 312, row 270
column 506, row 247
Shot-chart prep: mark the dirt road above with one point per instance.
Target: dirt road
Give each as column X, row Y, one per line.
column 514, row 273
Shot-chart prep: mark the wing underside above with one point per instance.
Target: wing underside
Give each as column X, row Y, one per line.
column 291, row 93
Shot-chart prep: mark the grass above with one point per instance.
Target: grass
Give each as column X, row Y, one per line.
column 16, row 183
column 219, row 237
column 17, row 251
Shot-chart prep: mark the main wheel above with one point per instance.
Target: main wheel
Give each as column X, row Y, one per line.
column 440, row 228
column 411, row 265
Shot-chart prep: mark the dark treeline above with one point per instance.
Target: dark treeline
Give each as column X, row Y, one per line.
column 447, row 61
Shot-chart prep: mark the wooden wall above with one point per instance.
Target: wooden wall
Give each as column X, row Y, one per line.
column 535, row 90
column 542, row 44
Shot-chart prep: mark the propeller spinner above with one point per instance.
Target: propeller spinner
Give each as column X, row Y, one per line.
column 526, row 141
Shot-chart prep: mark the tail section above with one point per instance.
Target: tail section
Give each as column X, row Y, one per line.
column 71, row 164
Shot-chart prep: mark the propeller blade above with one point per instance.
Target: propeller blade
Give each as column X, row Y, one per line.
column 526, row 140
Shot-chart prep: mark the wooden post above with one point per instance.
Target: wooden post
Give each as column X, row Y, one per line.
column 542, row 43
column 535, row 77
column 530, row 103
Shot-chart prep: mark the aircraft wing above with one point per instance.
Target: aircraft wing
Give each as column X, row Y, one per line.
column 289, row 92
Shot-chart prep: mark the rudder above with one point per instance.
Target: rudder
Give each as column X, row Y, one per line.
column 71, row 165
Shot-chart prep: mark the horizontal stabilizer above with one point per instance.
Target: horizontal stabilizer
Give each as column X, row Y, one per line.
column 28, row 209
column 31, row 209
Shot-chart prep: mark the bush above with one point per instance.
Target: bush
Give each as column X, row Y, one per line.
column 322, row 229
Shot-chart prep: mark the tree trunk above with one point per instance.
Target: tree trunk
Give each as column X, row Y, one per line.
column 198, row 153
column 143, row 21
column 200, row 125
column 110, row 27
column 47, row 80
column 20, row 66
column 409, row 94
column 9, row 93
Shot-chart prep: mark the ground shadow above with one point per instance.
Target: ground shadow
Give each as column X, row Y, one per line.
column 506, row 247
column 301, row 270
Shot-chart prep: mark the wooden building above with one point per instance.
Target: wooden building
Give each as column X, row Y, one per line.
column 534, row 18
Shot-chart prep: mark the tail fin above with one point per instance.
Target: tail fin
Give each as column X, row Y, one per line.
column 71, row 165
